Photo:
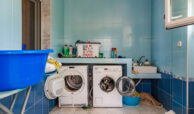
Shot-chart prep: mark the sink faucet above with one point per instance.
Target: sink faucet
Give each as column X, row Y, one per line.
column 139, row 62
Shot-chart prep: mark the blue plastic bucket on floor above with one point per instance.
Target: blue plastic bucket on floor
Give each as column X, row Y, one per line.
column 22, row 68
column 131, row 101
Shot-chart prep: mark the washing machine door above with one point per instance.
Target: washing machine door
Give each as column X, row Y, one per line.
column 125, row 86
column 54, row 86
column 74, row 82
column 107, row 84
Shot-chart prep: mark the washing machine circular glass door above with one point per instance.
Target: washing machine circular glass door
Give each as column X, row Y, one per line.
column 125, row 86
column 74, row 81
column 107, row 84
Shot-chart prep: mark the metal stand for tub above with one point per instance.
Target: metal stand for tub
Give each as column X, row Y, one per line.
column 5, row 110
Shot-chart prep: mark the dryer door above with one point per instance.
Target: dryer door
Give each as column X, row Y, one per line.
column 54, row 86
column 74, row 82
column 125, row 86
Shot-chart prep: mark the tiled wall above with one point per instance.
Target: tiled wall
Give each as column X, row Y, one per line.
column 191, row 98
column 144, row 86
column 171, row 61
column 171, row 92
column 10, row 25
column 37, row 103
column 166, row 55
column 191, row 51
column 57, row 26
column 114, row 23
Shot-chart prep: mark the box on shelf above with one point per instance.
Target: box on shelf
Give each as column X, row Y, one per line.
column 88, row 50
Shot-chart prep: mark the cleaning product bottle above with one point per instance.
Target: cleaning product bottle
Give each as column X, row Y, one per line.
column 147, row 63
column 70, row 50
column 74, row 51
column 66, row 50
column 115, row 52
column 112, row 53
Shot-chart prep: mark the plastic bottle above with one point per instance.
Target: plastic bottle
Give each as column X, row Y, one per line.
column 74, row 51
column 112, row 53
column 147, row 63
column 66, row 50
column 115, row 52
column 70, row 50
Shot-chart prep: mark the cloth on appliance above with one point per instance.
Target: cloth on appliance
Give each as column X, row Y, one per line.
column 54, row 62
column 148, row 99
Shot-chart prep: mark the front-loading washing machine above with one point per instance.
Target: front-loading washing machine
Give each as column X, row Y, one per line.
column 105, row 93
column 70, row 85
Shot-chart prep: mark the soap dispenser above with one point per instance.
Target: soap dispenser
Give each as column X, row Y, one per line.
column 147, row 63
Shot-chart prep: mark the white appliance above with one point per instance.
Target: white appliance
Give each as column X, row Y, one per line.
column 105, row 93
column 70, row 85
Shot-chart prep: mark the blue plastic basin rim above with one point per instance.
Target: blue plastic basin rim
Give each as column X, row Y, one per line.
column 3, row 52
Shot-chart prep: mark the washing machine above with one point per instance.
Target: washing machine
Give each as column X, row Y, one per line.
column 70, row 85
column 105, row 93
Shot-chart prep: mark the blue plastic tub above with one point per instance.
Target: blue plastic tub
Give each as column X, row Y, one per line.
column 131, row 101
column 22, row 68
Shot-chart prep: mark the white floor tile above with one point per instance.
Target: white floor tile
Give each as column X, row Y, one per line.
column 140, row 109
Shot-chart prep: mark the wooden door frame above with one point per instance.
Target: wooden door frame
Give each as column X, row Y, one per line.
column 37, row 23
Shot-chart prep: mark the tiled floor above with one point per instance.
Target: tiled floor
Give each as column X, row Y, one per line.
column 140, row 109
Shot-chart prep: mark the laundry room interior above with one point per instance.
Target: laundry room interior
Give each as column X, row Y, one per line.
column 97, row 56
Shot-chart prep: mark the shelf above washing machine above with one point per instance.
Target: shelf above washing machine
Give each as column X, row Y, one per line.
column 125, row 61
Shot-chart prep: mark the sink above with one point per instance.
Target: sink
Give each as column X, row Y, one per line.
column 145, row 69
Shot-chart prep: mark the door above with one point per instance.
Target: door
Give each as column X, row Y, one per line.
column 31, row 24
column 54, row 86
column 125, row 86
column 66, row 83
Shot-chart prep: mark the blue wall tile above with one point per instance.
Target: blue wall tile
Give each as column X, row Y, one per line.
column 191, row 95
column 45, row 104
column 177, row 108
column 177, row 90
column 30, row 111
column 139, row 88
column 147, row 88
column 6, row 101
column 174, row 98
column 19, row 102
column 37, row 103
column 38, row 108
column 144, row 86
column 31, row 100
column 184, row 110
column 191, row 111
column 184, row 94
column 165, row 99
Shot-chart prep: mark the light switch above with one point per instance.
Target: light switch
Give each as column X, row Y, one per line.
column 179, row 43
